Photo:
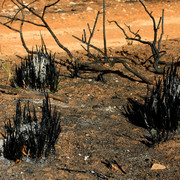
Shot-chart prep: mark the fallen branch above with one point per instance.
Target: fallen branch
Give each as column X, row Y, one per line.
column 95, row 173
column 103, row 57
column 22, row 93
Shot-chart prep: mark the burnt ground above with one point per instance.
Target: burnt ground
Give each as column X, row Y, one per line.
column 94, row 129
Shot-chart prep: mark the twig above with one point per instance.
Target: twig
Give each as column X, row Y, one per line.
column 22, row 93
column 113, row 165
column 104, row 28
column 95, row 173
column 21, row 6
column 155, row 48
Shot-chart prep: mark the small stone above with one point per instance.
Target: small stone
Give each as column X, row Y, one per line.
column 58, row 10
column 1, row 146
column 86, row 157
column 11, row 9
column 72, row 3
column 16, row 7
column 157, row 167
column 89, row 9
column 123, row 10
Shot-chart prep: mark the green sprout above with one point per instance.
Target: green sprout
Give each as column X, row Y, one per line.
column 58, row 84
column 6, row 67
column 129, row 42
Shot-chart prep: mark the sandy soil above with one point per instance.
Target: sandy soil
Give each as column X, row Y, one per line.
column 69, row 18
column 93, row 126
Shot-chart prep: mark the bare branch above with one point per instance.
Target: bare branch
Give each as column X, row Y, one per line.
column 92, row 33
column 105, row 58
column 29, row 9
column 104, row 28
column 89, row 28
column 150, row 14
column 21, row 5
column 157, row 54
column 137, row 36
column 21, row 34
column 84, row 34
column 16, row 12
column 47, row 6
column 162, row 33
column 89, row 45
column 3, row 3
column 90, row 54
column 132, row 70
column 125, row 64
column 18, row 19
column 9, row 27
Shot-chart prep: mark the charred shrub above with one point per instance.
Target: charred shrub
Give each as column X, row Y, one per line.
column 160, row 113
column 26, row 136
column 38, row 72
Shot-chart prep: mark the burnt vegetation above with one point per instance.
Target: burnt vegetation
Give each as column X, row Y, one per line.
column 26, row 136
column 160, row 113
column 38, row 71
column 129, row 63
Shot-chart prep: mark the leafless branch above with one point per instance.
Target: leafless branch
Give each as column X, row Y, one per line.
column 21, row 6
column 104, row 28
column 90, row 45
column 137, row 36
column 155, row 48
column 111, row 60
column 47, row 6
column 162, row 28
column 4, row 24
column 18, row 19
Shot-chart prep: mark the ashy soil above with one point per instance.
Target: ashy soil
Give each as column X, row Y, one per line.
column 94, row 129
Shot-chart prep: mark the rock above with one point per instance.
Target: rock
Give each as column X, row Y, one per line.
column 72, row 3
column 156, row 166
column 89, row 9
column 58, row 10
column 1, row 146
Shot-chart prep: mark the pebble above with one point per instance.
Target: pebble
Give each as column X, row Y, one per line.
column 86, row 157
column 72, row 3
column 156, row 166
column 89, row 9
column 1, row 146
column 58, row 10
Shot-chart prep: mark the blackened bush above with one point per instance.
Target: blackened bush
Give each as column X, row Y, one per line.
column 27, row 136
column 160, row 113
column 38, row 71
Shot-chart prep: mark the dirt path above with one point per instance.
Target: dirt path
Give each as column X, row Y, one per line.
column 70, row 18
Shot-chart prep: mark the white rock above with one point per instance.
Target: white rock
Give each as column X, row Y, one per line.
column 58, row 10
column 72, row 3
column 123, row 10
column 15, row 7
column 89, row 9
column 86, row 157
column 11, row 9
column 1, row 145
